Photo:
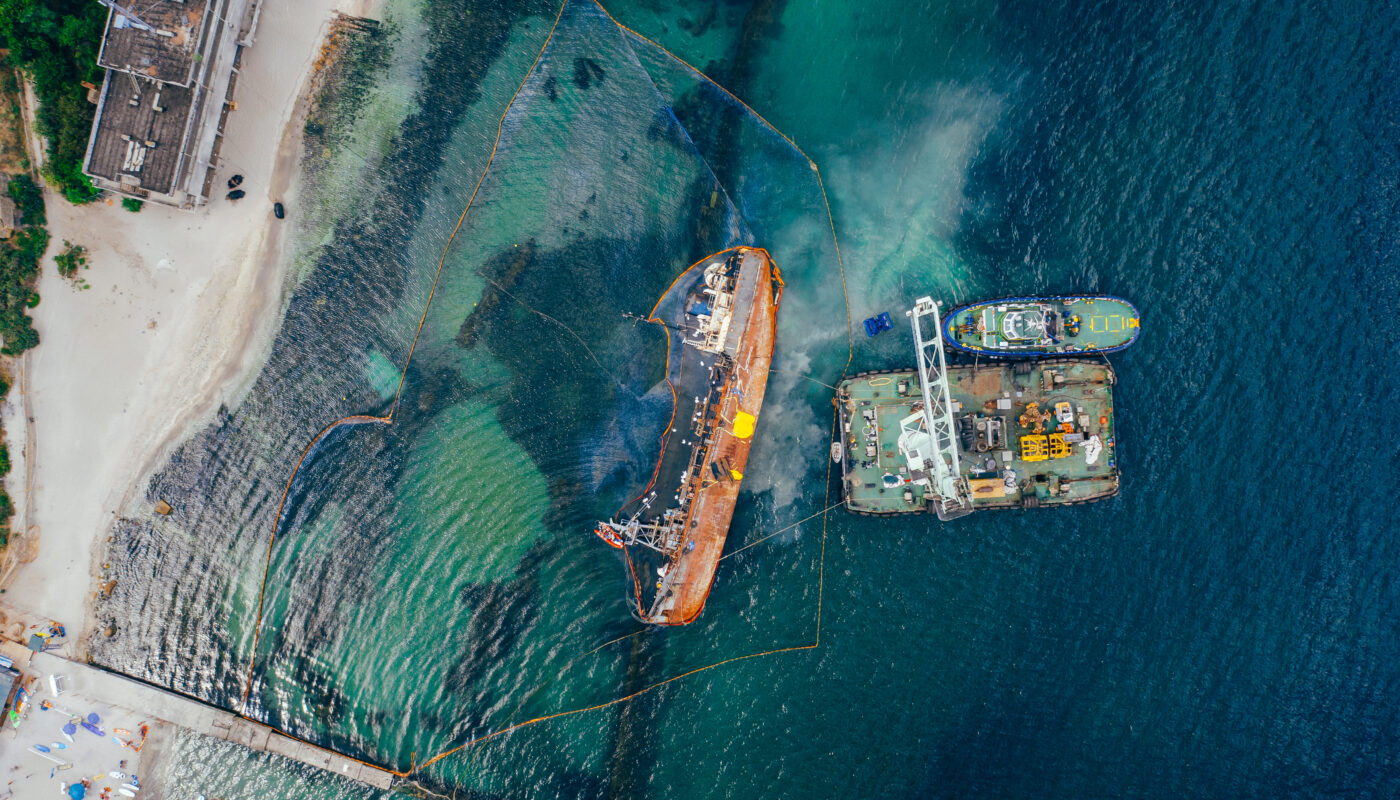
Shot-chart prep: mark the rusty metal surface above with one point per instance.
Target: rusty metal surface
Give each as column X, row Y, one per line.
column 707, row 526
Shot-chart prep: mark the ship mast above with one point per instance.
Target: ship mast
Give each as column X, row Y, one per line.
column 927, row 439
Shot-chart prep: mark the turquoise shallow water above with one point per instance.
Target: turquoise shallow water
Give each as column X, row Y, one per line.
column 1222, row 628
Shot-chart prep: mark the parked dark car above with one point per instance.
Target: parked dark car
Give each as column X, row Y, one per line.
column 234, row 181
column 236, row 194
column 278, row 211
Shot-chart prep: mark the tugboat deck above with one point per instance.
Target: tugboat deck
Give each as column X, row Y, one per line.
column 1042, row 326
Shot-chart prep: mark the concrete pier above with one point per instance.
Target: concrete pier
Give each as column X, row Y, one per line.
column 97, row 685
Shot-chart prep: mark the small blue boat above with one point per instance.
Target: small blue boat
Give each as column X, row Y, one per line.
column 878, row 324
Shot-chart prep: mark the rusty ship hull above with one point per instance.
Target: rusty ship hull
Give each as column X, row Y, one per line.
column 720, row 319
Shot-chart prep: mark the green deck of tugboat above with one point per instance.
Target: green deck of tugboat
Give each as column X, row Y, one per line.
column 1102, row 325
column 976, row 390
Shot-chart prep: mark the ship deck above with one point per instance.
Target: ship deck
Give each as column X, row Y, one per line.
column 1104, row 324
column 873, row 469
column 700, row 453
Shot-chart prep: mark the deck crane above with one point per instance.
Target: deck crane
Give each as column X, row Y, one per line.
column 927, row 438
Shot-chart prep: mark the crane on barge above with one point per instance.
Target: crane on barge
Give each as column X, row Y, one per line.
column 927, row 438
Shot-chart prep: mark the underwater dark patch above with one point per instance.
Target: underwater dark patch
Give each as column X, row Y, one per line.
column 587, row 72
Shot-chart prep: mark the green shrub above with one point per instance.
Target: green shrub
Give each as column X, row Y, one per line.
column 72, row 257
column 26, row 194
column 79, row 189
column 19, row 333
column 7, row 510
column 19, row 267
column 30, row 245
column 131, row 204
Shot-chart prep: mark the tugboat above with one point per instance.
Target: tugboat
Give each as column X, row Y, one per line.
column 1042, row 326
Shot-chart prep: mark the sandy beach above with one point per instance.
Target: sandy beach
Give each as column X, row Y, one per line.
column 178, row 311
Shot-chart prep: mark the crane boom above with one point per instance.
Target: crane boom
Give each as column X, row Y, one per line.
column 927, row 439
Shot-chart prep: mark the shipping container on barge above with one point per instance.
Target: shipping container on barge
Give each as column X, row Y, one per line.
column 720, row 318
column 953, row 439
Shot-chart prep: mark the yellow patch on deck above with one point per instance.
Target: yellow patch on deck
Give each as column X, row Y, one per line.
column 987, row 487
column 744, row 424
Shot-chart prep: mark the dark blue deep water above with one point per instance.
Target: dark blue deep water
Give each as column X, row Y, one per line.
column 1228, row 626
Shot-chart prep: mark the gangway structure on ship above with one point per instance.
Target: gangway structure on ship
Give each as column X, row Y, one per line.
column 927, row 438
column 663, row 535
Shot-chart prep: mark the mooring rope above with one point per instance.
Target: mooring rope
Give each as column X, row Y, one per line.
column 768, row 536
column 805, row 376
column 586, row 348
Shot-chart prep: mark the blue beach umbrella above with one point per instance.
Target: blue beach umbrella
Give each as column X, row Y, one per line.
column 77, row 791
column 93, row 718
column 70, row 729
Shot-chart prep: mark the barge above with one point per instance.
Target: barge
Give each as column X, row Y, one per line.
column 720, row 319
column 1042, row 326
column 953, row 439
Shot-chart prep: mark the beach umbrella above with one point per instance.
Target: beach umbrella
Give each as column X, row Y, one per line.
column 93, row 718
column 77, row 791
column 70, row 729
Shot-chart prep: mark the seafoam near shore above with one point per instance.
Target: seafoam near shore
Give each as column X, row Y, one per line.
column 180, row 308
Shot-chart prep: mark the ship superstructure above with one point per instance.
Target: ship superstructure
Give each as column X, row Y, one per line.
column 720, row 318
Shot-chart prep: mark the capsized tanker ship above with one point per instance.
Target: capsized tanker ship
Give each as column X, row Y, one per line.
column 720, row 318
column 1042, row 326
column 953, row 439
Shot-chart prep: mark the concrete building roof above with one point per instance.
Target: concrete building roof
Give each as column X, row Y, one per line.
column 171, row 52
column 166, row 94
column 140, row 132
